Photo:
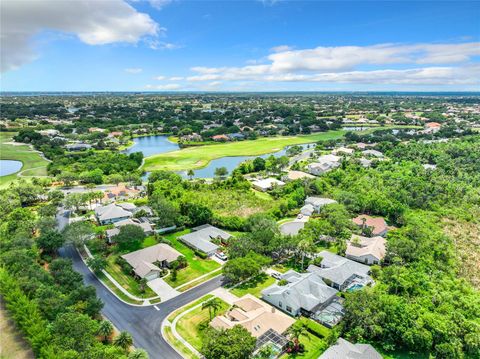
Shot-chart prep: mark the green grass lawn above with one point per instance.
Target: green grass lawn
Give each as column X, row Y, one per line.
column 314, row 346
column 174, row 314
column 33, row 163
column 192, row 325
column 200, row 156
column 254, row 286
column 196, row 265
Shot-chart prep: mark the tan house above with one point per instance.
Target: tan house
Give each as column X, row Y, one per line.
column 366, row 250
column 377, row 224
column 254, row 315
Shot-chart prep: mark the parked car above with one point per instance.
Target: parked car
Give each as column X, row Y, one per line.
column 276, row 275
column 221, row 256
column 300, row 216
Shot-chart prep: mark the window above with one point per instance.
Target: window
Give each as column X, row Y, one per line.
column 280, row 304
column 289, row 309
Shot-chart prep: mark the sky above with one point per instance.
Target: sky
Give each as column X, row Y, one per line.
column 195, row 45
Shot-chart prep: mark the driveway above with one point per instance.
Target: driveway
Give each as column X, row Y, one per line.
column 163, row 289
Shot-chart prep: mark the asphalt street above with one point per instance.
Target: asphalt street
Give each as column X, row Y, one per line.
column 143, row 323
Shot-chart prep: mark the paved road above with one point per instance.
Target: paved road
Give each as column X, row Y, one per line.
column 142, row 322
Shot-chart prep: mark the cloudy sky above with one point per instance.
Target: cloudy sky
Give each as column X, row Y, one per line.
column 194, row 45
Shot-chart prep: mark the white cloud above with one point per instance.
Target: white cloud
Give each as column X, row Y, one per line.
column 166, row 87
column 162, row 45
column 134, row 70
column 281, row 48
column 94, row 22
column 159, row 4
column 159, row 78
column 346, row 64
column 176, row 78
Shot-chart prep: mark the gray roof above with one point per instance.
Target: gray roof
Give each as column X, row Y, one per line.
column 338, row 269
column 346, row 350
column 304, row 290
column 143, row 259
column 319, row 201
column 202, row 236
column 291, row 228
column 111, row 211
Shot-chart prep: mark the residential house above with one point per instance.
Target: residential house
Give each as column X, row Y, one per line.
column 294, row 175
column 343, row 151
column 78, row 147
column 365, row 162
column 220, row 138
column 201, row 238
column 373, row 153
column 255, row 316
column 365, row 249
column 49, row 133
column 115, row 134
column 343, row 349
column 318, row 202
column 236, row 136
column 146, row 226
column 111, row 213
column 324, row 164
column 121, row 191
column 377, row 225
column 267, row 184
column 147, row 262
column 341, row 273
column 304, row 293
column 432, row 127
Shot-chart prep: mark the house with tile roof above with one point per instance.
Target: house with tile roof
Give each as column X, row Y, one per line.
column 378, row 225
column 368, row 250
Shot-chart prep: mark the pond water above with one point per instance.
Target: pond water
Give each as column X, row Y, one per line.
column 7, row 167
column 152, row 145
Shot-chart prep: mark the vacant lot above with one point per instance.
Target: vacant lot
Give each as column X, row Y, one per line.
column 200, row 156
column 33, row 163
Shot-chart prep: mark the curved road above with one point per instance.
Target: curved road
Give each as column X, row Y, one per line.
column 142, row 322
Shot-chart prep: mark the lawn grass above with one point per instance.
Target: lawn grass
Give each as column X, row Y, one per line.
column 175, row 313
column 314, row 346
column 192, row 325
column 186, row 353
column 199, row 156
column 33, row 163
column 127, row 281
column 196, row 266
column 117, row 291
column 194, row 283
column 254, row 285
column 262, row 195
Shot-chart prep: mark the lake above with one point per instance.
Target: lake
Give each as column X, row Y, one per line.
column 152, row 145
column 7, row 167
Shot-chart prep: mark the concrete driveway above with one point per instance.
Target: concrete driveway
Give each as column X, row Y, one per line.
column 163, row 289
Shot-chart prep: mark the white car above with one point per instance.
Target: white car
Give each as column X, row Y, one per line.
column 221, row 256
column 276, row 275
column 300, row 216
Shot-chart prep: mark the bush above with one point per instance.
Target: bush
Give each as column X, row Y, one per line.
column 315, row 328
column 126, row 268
column 201, row 254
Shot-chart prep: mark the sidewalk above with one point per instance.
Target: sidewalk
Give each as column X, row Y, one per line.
column 179, row 337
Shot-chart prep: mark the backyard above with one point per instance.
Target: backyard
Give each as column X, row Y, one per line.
column 254, row 286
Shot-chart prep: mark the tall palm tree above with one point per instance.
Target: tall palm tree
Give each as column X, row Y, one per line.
column 105, row 330
column 123, row 340
column 190, row 174
column 306, row 246
column 213, row 306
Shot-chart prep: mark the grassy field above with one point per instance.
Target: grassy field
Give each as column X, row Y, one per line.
column 200, row 156
column 254, row 286
column 314, row 346
column 174, row 314
column 33, row 163
column 186, row 353
column 12, row 345
column 196, row 266
column 192, row 324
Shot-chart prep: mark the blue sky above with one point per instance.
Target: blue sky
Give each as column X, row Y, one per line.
column 165, row 45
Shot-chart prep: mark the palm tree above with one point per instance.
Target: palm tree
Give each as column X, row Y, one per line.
column 295, row 332
column 190, row 174
column 105, row 330
column 305, row 246
column 138, row 354
column 213, row 306
column 123, row 340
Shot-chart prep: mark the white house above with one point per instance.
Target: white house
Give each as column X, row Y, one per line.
column 111, row 213
column 324, row 164
column 318, row 202
column 267, row 184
